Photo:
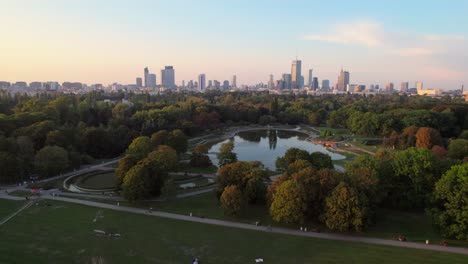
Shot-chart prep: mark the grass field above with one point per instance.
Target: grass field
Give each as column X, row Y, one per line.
column 96, row 180
column 63, row 233
column 7, row 207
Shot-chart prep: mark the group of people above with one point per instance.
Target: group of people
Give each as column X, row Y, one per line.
column 303, row 229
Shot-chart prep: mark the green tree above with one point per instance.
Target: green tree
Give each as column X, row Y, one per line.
column 137, row 183
column 9, row 168
column 125, row 164
column 232, row 200
column 178, row 141
column 289, row 203
column 321, row 160
column 226, row 154
column 51, row 160
column 344, row 210
column 450, row 209
column 458, row 149
column 140, row 147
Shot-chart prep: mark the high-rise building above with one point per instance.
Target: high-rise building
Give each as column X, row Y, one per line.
column 210, row 83
column 234, row 81
column 271, row 83
column 168, row 77
column 343, row 81
column 309, row 78
column 201, row 82
column 226, row 85
column 419, row 86
column 325, row 85
column 286, row 81
column 296, row 74
column 146, row 72
column 315, row 85
column 151, row 80
column 389, row 87
column 216, row 84
column 139, row 82
column 404, row 87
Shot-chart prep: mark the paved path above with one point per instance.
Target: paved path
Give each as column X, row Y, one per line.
column 375, row 241
column 15, row 213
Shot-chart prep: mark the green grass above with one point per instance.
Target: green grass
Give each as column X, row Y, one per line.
column 7, row 207
column 20, row 193
column 96, row 180
column 63, row 233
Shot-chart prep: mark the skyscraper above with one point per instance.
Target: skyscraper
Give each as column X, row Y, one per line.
column 210, row 83
column 309, row 78
column 139, row 82
column 315, row 85
column 226, row 85
column 146, row 72
column 151, row 79
column 201, row 82
column 325, row 85
column 343, row 81
column 419, row 86
column 168, row 77
column 404, row 87
column 287, row 81
column 389, row 87
column 296, row 74
column 234, row 81
column 270, row 82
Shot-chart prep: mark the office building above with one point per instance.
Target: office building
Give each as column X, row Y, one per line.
column 226, row 85
column 286, row 81
column 389, row 87
column 404, row 87
column 139, row 82
column 271, row 83
column 168, row 77
column 146, row 72
column 234, row 81
column 325, row 85
column 210, row 84
column 309, row 78
column 419, row 86
column 151, row 80
column 315, row 84
column 296, row 77
column 343, row 81
column 201, row 82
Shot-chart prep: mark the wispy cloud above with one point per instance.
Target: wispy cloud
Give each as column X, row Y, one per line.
column 360, row 33
column 414, row 51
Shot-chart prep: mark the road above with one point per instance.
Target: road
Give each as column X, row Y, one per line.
column 277, row 230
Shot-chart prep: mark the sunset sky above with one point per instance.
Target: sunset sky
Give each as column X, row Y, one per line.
column 112, row 41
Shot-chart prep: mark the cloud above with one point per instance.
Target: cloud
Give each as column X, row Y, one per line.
column 360, row 33
column 435, row 37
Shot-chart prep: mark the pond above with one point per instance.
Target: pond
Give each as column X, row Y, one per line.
column 267, row 145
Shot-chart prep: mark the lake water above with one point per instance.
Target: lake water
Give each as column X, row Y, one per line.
column 267, row 145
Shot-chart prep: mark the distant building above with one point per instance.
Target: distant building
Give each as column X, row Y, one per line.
column 139, row 82
column 5, row 85
column 286, row 81
column 315, row 84
column 309, row 78
column 343, row 81
column 271, row 83
column 151, row 80
column 168, row 77
column 20, row 84
column 72, row 85
column 279, row 84
column 210, row 83
column 146, row 72
column 35, row 85
column 216, row 84
column 419, row 86
column 389, row 87
column 296, row 74
column 201, row 82
column 404, row 87
column 325, row 85
column 234, row 81
column 226, row 85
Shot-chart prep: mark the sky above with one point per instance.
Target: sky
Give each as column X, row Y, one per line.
column 110, row 41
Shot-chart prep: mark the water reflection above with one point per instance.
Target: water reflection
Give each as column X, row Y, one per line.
column 267, row 145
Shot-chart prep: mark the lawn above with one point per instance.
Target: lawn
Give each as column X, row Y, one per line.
column 7, row 207
column 96, row 180
column 63, row 233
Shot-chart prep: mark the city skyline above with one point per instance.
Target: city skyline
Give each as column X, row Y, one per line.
column 108, row 42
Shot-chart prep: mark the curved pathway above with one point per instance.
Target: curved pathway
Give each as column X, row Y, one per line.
column 375, row 241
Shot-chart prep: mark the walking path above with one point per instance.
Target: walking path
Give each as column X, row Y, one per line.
column 375, row 241
column 15, row 213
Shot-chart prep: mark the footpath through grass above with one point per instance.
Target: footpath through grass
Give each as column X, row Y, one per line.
column 8, row 207
column 63, row 233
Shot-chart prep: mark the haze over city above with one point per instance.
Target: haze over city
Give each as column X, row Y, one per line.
column 111, row 41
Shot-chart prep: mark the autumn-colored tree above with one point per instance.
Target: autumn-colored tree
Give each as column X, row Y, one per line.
column 199, row 156
column 125, row 164
column 137, row 183
column 439, row 152
column 232, row 200
column 289, row 203
column 140, row 147
column 226, row 154
column 450, row 208
column 159, row 138
column 427, row 137
column 344, row 209
column 178, row 141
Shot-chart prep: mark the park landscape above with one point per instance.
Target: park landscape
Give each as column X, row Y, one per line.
column 234, row 190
